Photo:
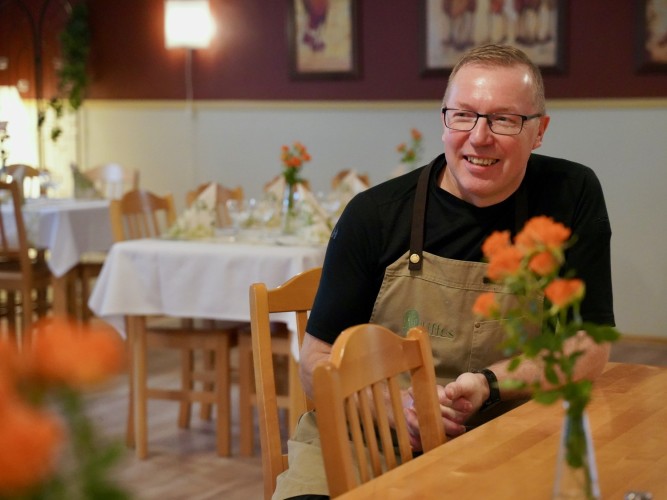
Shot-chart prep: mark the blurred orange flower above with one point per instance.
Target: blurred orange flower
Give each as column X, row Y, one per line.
column 65, row 352
column 504, row 263
column 564, row 292
column 411, row 154
column 486, row 305
column 497, row 241
column 48, row 372
column 543, row 263
column 293, row 159
column 30, row 440
column 540, row 232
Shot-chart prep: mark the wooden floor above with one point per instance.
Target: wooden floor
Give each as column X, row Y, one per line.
column 183, row 463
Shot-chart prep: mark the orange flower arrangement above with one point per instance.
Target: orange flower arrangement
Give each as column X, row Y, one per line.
column 42, row 416
column 411, row 154
column 293, row 159
column 545, row 315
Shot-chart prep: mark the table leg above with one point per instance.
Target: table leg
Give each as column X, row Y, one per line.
column 59, row 286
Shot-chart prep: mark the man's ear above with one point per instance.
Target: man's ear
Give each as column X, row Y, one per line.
column 544, row 123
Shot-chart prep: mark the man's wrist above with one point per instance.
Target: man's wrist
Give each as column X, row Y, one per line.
column 494, row 389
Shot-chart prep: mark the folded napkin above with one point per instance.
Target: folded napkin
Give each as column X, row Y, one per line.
column 275, row 188
column 315, row 225
column 352, row 183
column 199, row 220
column 83, row 187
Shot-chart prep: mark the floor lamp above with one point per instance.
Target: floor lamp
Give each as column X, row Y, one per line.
column 188, row 24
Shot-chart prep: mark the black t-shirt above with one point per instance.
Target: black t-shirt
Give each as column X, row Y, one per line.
column 374, row 231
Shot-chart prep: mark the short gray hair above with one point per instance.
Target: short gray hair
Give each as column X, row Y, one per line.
column 491, row 55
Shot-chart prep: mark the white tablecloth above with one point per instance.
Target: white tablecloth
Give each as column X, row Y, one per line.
column 68, row 228
column 193, row 279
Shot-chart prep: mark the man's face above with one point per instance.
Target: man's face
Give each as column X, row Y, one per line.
column 484, row 168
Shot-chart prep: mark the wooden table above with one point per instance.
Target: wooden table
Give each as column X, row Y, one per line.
column 514, row 456
column 187, row 279
column 68, row 229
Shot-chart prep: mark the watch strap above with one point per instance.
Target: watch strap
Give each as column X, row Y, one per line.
column 494, row 390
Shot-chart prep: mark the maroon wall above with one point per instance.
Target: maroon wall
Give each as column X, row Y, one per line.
column 249, row 58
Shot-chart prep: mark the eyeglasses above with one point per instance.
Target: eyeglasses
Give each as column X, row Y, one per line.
column 499, row 123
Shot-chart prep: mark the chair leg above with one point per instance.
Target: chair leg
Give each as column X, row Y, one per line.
column 129, row 430
column 139, row 344
column 208, row 362
column 187, row 384
column 222, row 396
column 245, row 377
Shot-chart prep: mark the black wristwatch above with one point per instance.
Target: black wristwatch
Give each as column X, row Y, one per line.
column 494, row 390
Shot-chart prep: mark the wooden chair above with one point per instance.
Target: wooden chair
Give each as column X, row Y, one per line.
column 18, row 271
column 222, row 195
column 294, row 296
column 28, row 178
column 112, row 180
column 140, row 214
column 350, row 392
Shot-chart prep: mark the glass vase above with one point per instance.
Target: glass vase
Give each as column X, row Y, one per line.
column 576, row 471
column 289, row 212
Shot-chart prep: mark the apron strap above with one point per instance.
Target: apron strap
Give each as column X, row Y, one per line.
column 419, row 219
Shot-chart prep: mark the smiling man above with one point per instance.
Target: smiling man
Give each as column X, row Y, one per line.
column 379, row 268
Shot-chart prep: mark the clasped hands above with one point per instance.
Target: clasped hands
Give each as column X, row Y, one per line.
column 459, row 400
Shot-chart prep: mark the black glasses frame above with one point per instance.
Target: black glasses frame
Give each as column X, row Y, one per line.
column 489, row 119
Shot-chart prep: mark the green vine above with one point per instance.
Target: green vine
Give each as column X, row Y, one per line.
column 72, row 76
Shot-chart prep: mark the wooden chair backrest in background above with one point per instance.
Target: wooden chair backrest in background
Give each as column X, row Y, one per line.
column 141, row 214
column 112, row 180
column 350, row 397
column 28, row 178
column 296, row 295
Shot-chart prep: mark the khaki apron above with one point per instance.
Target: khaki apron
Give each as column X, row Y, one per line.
column 418, row 289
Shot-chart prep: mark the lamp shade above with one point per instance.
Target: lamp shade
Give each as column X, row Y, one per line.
column 188, row 23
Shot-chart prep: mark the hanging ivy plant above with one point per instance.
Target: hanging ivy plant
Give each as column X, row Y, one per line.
column 72, row 76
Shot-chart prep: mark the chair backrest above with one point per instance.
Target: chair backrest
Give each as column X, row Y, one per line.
column 27, row 177
column 222, row 194
column 351, row 390
column 13, row 238
column 341, row 175
column 141, row 214
column 296, row 295
column 112, row 180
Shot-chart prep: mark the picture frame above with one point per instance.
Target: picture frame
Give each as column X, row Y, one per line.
column 651, row 36
column 323, row 38
column 449, row 28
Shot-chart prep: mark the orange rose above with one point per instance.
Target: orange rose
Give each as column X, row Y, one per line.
column 486, row 305
column 416, row 135
column 542, row 231
column 496, row 241
column 29, row 440
column 543, row 263
column 504, row 263
column 65, row 352
column 563, row 292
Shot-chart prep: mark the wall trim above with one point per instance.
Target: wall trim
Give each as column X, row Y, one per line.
column 355, row 105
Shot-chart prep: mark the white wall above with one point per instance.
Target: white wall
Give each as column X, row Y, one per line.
column 238, row 143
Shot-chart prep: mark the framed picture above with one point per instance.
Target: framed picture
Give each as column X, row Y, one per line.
column 652, row 35
column 451, row 27
column 323, row 38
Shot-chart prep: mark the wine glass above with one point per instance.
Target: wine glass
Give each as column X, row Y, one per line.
column 239, row 212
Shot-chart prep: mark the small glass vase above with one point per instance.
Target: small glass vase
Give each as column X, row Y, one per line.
column 576, row 471
column 289, row 212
